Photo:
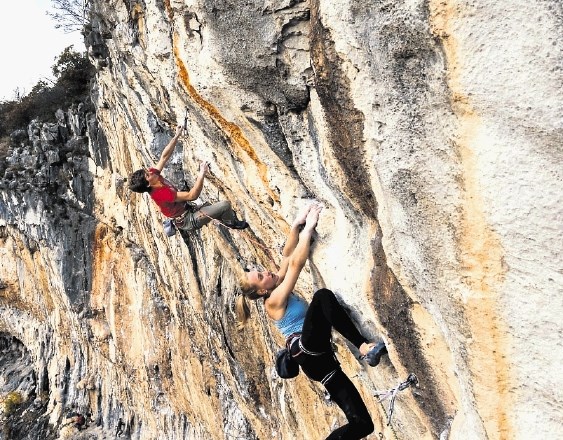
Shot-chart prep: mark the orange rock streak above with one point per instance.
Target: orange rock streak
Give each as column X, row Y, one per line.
column 480, row 249
column 233, row 132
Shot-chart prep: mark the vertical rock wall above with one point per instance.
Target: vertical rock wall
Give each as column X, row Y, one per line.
column 432, row 132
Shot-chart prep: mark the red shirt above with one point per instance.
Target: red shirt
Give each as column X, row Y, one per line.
column 165, row 195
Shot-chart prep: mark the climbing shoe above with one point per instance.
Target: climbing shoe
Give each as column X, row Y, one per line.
column 374, row 355
column 237, row 224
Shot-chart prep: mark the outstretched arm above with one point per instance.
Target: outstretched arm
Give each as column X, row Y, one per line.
column 169, row 149
column 292, row 240
column 192, row 194
column 277, row 302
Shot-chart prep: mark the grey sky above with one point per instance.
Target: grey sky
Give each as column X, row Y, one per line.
column 29, row 44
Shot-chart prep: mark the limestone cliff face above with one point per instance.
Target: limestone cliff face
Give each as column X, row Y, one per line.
column 432, row 132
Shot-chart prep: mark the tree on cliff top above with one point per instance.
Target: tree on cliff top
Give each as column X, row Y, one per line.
column 73, row 72
column 70, row 15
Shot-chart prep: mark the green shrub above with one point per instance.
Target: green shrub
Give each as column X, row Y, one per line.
column 73, row 72
column 11, row 401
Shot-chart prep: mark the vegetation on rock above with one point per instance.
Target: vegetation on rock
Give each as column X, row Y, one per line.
column 73, row 72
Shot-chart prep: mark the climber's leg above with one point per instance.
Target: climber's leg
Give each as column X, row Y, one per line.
column 221, row 211
column 343, row 392
column 324, row 314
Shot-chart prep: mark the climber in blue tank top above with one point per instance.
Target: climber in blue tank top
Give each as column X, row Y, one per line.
column 292, row 320
column 308, row 327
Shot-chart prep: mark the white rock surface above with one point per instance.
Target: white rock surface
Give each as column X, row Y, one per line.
column 432, row 131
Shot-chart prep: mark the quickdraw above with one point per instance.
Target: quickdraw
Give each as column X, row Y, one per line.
column 411, row 380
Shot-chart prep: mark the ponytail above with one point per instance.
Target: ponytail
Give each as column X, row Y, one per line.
column 242, row 309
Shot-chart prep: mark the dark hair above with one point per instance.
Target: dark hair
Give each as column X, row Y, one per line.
column 138, row 182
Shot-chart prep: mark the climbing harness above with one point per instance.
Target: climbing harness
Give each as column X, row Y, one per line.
column 170, row 225
column 411, row 380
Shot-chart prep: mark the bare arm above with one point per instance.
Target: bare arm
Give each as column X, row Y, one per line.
column 169, row 149
column 192, row 194
column 292, row 240
column 277, row 302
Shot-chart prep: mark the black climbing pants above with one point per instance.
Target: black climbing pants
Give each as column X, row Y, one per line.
column 313, row 352
column 343, row 392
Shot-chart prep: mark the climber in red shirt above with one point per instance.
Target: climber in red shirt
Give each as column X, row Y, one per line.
column 176, row 204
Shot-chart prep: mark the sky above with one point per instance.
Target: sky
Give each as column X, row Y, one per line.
column 29, row 44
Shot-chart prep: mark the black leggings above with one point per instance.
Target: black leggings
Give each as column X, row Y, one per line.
column 315, row 356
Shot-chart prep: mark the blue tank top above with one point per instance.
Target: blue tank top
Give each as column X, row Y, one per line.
column 294, row 316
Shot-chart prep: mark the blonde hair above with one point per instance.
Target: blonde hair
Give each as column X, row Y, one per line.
column 242, row 309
